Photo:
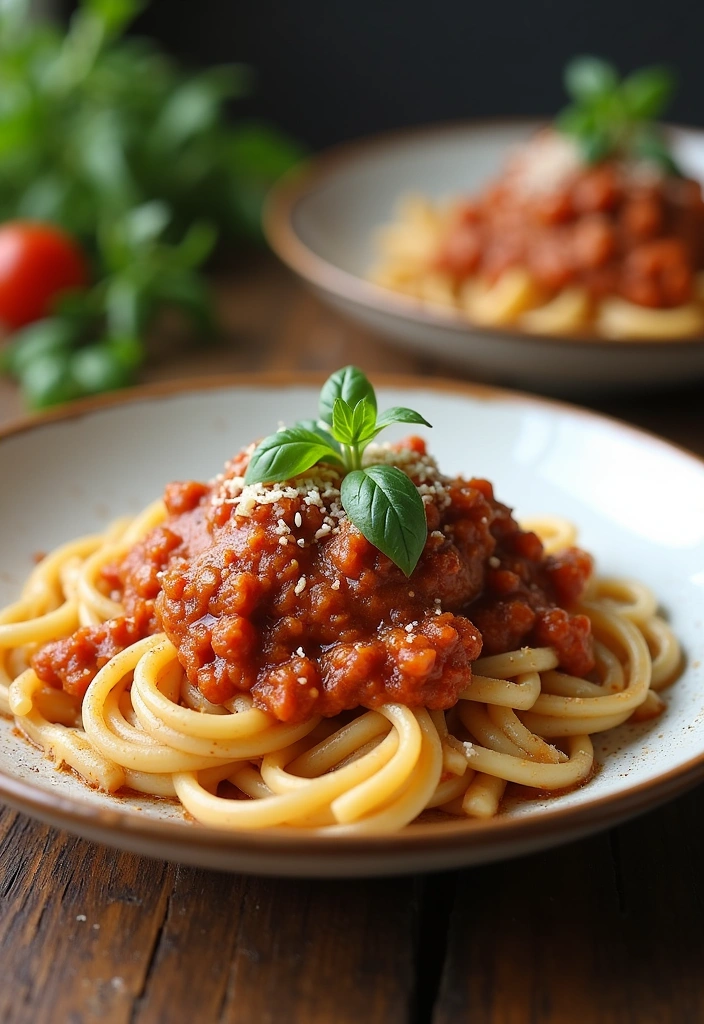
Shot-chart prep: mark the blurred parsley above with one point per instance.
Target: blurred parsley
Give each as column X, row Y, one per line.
column 610, row 116
column 105, row 137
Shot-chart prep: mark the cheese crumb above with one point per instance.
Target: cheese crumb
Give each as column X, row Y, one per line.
column 300, row 586
column 335, row 585
column 300, row 652
column 494, row 562
column 301, row 542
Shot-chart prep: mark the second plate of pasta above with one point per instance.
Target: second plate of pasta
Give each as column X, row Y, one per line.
column 357, row 223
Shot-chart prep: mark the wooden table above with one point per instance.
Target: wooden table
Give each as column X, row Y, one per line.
column 609, row 930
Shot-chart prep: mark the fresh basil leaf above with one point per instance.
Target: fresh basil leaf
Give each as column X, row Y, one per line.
column 649, row 144
column 351, row 385
column 145, row 223
column 316, row 427
column 124, row 306
column 587, row 78
column 197, row 244
column 127, row 351
column 387, row 509
column 364, row 421
column 115, row 14
column 400, row 414
column 45, row 337
column 286, row 454
column 97, row 368
column 48, row 380
column 594, row 146
column 353, row 426
column 575, row 120
column 647, row 92
column 342, row 424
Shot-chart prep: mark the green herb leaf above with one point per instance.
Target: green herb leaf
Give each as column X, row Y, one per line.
column 400, row 414
column 127, row 351
column 387, row 509
column 109, row 138
column 341, row 426
column 649, row 144
column 610, row 117
column 647, row 92
column 48, row 381
column 286, row 454
column 317, row 428
column 575, row 120
column 115, row 14
column 587, row 78
column 353, row 426
column 364, row 424
column 124, row 305
column 594, row 146
column 351, row 385
column 45, row 337
column 97, row 368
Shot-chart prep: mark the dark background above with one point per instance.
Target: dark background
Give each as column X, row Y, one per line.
column 329, row 71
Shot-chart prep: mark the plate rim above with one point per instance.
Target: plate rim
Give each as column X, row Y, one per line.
column 307, row 176
column 505, row 832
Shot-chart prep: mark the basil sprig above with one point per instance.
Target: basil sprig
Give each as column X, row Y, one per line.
column 380, row 500
column 611, row 116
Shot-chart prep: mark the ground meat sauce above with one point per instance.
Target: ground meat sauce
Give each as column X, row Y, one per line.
column 612, row 228
column 270, row 590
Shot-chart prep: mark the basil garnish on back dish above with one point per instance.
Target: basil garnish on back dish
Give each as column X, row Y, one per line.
column 614, row 117
column 380, row 500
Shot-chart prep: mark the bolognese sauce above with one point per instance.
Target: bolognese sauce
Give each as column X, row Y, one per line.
column 615, row 228
column 270, row 590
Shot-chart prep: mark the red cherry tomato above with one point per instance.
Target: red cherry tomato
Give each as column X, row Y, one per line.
column 37, row 263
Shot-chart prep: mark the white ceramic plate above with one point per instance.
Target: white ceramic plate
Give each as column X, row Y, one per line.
column 322, row 219
column 73, row 473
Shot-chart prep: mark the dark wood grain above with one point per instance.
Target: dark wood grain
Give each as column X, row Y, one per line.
column 604, row 930
column 282, row 950
column 88, row 934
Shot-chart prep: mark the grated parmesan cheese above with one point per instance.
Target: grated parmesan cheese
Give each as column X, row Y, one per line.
column 320, row 487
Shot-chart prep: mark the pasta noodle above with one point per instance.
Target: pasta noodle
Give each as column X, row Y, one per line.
column 143, row 726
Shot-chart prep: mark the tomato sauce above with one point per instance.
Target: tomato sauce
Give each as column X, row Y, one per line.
column 612, row 228
column 271, row 591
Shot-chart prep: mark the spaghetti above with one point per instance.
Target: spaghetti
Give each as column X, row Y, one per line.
column 137, row 716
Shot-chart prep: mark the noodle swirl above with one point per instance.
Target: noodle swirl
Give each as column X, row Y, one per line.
column 142, row 725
